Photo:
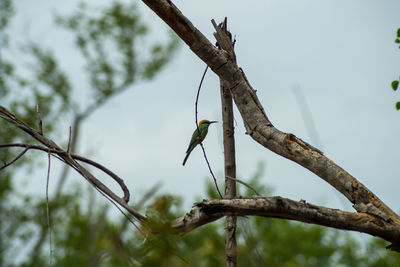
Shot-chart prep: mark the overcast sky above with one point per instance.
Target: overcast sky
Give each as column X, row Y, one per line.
column 341, row 54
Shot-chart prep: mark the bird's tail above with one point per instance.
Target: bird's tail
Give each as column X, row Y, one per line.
column 186, row 157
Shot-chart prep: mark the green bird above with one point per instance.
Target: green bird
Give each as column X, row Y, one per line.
column 198, row 137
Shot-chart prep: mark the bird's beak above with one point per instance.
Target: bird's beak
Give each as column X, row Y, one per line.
column 213, row 122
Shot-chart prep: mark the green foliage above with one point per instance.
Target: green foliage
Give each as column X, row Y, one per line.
column 47, row 72
column 6, row 11
column 111, row 43
column 87, row 239
column 108, row 40
column 6, row 69
column 395, row 83
column 397, row 40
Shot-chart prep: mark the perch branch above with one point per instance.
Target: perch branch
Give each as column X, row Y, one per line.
column 198, row 131
column 278, row 207
column 257, row 124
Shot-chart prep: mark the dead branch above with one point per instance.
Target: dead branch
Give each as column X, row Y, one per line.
column 47, row 208
column 245, row 184
column 257, row 124
column 278, row 207
column 373, row 216
column 224, row 41
column 211, row 210
column 194, row 219
column 6, row 164
column 71, row 160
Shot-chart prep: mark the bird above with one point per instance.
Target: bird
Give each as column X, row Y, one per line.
column 198, row 136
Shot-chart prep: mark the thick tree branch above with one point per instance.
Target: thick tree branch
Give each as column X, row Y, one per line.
column 278, row 207
column 257, row 123
column 194, row 219
column 211, row 210
column 225, row 42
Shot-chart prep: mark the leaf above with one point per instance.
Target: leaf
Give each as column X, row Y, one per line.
column 398, row 32
column 398, row 105
column 395, row 85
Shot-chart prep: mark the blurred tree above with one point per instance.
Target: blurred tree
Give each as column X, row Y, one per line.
column 90, row 237
column 261, row 241
column 107, row 39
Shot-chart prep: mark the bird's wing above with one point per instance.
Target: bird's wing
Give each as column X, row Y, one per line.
column 195, row 140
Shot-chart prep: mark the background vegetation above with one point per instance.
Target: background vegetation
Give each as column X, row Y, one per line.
column 84, row 232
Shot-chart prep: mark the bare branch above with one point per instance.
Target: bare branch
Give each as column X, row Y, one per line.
column 194, row 219
column 48, row 210
column 107, row 171
column 40, row 125
column 197, row 100
column 245, row 184
column 257, row 123
column 278, row 207
column 209, row 168
column 224, row 40
column 198, row 131
column 67, row 158
column 69, row 139
column 76, row 157
column 72, row 143
column 15, row 159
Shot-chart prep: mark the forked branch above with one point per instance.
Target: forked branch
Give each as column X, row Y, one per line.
column 257, row 123
column 69, row 159
column 259, row 127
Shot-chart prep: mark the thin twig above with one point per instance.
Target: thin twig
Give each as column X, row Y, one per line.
column 198, row 131
column 209, row 167
column 107, row 171
column 40, row 126
column 57, row 153
column 15, row 159
column 47, row 209
column 119, row 208
column 245, row 184
column 69, row 139
column 197, row 99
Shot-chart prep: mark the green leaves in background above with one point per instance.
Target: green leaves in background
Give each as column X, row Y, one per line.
column 116, row 51
column 397, row 41
column 86, row 234
column 395, row 83
column 114, row 44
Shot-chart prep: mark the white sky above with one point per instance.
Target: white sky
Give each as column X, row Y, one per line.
column 341, row 53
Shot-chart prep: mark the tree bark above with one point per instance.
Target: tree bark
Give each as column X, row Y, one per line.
column 224, row 39
column 256, row 122
column 230, row 170
column 279, row 207
column 71, row 160
column 259, row 127
column 372, row 216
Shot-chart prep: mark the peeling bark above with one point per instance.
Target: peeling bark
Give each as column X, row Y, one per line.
column 257, row 124
column 283, row 208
